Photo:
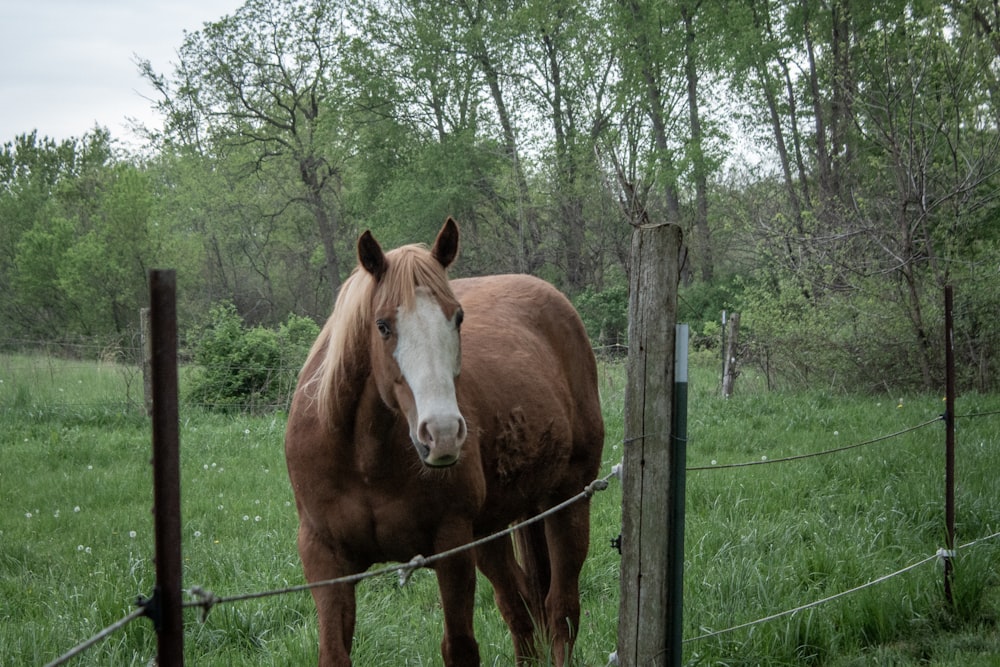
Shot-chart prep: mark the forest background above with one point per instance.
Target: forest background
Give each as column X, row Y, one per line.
column 833, row 164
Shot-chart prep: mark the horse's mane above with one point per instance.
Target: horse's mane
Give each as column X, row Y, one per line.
column 344, row 337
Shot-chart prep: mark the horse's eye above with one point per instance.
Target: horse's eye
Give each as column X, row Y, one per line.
column 459, row 318
column 384, row 329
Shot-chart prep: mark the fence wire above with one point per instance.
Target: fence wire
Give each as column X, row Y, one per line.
column 206, row 599
column 789, row 612
column 83, row 646
column 836, row 450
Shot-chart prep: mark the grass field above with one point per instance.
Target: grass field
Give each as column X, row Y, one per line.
column 76, row 537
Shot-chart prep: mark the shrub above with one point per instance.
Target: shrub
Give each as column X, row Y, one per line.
column 248, row 368
column 700, row 305
column 605, row 314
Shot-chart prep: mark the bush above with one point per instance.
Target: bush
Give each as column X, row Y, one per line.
column 700, row 305
column 605, row 314
column 248, row 369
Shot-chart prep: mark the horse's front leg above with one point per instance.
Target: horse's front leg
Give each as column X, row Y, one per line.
column 457, row 581
column 335, row 605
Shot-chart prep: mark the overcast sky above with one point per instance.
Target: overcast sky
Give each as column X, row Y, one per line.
column 66, row 65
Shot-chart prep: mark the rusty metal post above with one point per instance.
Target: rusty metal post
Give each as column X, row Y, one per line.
column 949, row 447
column 166, row 606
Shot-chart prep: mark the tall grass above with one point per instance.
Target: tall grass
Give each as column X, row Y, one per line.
column 76, row 538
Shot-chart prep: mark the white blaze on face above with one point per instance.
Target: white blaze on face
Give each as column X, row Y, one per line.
column 429, row 356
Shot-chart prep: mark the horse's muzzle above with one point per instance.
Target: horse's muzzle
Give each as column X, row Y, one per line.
column 439, row 440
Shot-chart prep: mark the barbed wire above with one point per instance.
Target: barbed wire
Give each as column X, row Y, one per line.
column 796, row 457
column 969, row 415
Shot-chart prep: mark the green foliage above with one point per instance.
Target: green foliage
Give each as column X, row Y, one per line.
column 248, row 368
column 605, row 314
column 80, row 237
column 864, row 339
column 701, row 304
column 852, row 176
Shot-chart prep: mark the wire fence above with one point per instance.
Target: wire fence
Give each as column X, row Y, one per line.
column 206, row 599
column 836, row 450
column 119, row 361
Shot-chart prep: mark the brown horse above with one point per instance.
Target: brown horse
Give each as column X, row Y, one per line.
column 430, row 413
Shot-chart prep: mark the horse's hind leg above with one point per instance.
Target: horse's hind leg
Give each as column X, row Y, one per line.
column 568, row 535
column 496, row 561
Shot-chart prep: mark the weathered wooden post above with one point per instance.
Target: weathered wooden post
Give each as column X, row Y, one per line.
column 145, row 337
column 729, row 371
column 645, row 636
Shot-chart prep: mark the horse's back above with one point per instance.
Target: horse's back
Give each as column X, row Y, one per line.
column 515, row 321
column 530, row 379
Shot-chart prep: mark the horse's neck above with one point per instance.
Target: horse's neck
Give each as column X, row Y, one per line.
column 354, row 393
column 352, row 385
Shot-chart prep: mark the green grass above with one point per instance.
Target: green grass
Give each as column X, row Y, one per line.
column 76, row 538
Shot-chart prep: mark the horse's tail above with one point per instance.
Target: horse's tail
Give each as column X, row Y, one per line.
column 533, row 555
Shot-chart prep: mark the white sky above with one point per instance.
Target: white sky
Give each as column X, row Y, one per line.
column 66, row 65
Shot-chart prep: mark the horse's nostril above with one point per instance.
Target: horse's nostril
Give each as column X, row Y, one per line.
column 447, row 432
column 424, row 433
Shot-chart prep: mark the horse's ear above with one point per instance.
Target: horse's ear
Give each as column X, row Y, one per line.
column 370, row 255
column 446, row 245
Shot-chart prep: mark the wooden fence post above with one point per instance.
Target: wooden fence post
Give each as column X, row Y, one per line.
column 729, row 371
column 647, row 505
column 147, row 360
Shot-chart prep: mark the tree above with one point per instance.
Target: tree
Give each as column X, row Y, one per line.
column 262, row 85
column 929, row 120
column 421, row 127
column 102, row 272
column 568, row 71
column 648, row 65
column 31, row 168
column 75, row 251
column 665, row 62
column 888, row 152
column 486, row 36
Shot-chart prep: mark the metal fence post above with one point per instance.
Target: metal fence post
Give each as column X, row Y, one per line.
column 166, row 606
column 949, row 422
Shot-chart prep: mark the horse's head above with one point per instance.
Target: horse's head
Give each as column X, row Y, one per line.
column 415, row 346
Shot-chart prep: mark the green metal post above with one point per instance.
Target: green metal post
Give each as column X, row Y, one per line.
column 678, row 464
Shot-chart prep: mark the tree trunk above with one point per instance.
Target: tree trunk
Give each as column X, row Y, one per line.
column 526, row 224
column 571, row 220
column 701, row 232
column 326, row 219
column 657, row 116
